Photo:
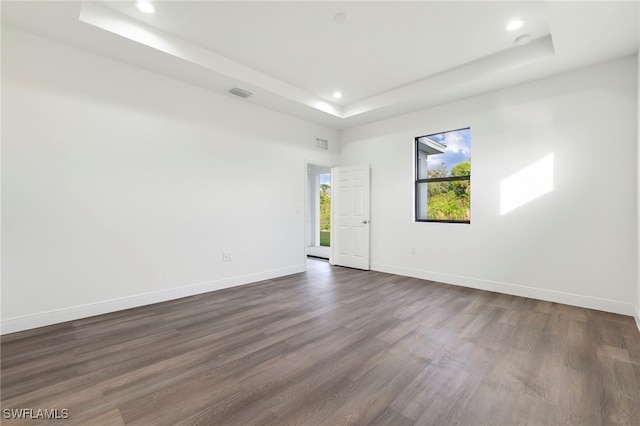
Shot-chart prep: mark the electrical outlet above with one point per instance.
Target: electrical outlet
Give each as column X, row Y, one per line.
column 226, row 257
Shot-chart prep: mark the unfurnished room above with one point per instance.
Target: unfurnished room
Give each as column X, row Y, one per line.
column 320, row 213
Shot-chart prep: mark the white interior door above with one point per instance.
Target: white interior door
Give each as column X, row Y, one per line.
column 350, row 224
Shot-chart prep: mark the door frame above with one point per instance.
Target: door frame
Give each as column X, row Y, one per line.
column 308, row 163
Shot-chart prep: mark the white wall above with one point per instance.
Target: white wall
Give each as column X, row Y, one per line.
column 122, row 187
column 637, row 313
column 575, row 244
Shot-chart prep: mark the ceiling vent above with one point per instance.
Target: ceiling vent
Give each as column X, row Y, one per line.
column 322, row 144
column 239, row 92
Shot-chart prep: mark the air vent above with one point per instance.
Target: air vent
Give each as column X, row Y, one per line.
column 239, row 92
column 322, row 144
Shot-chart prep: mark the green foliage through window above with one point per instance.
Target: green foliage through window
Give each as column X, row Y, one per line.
column 443, row 177
column 325, row 207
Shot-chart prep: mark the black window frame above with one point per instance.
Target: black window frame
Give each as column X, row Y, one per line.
column 419, row 181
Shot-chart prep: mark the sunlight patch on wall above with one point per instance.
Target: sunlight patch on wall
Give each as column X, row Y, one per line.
column 527, row 184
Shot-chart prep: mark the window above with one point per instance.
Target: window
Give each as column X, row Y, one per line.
column 443, row 177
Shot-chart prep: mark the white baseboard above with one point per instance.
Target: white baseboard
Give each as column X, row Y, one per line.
column 515, row 290
column 28, row 322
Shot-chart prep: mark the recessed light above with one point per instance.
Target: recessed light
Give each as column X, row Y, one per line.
column 145, row 6
column 337, row 95
column 340, row 18
column 523, row 39
column 516, row 24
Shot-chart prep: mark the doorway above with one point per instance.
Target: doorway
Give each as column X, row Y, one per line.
column 318, row 211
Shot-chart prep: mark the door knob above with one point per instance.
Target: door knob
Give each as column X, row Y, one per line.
column 365, row 221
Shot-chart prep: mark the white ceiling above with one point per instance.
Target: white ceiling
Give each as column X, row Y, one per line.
column 388, row 58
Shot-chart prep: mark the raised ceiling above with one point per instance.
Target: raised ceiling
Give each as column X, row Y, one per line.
column 388, row 58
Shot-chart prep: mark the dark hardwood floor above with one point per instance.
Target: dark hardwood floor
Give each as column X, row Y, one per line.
column 331, row 346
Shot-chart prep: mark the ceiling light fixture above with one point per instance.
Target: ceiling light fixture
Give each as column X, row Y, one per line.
column 145, row 6
column 337, row 95
column 523, row 39
column 515, row 24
